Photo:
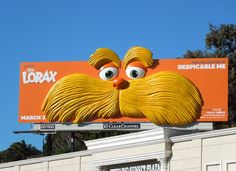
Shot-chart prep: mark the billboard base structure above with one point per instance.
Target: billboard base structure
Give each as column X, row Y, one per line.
column 160, row 149
column 51, row 128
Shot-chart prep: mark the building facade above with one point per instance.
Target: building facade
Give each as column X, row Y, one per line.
column 163, row 149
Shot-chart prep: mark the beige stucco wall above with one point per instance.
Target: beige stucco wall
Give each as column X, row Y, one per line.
column 208, row 151
column 85, row 163
column 72, row 164
column 128, row 152
column 66, row 162
column 205, row 153
column 220, row 153
column 14, row 168
column 186, row 156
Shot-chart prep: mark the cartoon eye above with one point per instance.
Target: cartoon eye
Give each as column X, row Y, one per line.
column 135, row 72
column 108, row 73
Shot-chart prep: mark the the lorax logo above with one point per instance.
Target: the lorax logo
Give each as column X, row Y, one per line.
column 165, row 98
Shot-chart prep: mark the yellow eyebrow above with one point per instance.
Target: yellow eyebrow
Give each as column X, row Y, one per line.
column 103, row 56
column 137, row 53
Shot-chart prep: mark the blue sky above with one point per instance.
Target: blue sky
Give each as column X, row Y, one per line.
column 71, row 30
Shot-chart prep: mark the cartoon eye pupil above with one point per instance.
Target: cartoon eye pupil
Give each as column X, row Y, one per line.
column 134, row 73
column 109, row 74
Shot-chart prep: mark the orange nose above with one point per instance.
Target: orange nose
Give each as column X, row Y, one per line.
column 119, row 83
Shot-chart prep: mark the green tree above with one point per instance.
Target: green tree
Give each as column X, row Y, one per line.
column 221, row 42
column 19, row 151
column 61, row 141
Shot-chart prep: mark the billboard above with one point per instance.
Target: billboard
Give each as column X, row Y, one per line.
column 38, row 79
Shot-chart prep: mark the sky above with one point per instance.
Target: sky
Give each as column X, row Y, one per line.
column 71, row 30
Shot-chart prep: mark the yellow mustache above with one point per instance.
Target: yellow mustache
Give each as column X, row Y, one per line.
column 165, row 98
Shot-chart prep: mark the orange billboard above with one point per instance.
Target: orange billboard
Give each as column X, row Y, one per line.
column 209, row 75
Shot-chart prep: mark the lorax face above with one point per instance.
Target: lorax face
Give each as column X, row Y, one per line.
column 165, row 98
